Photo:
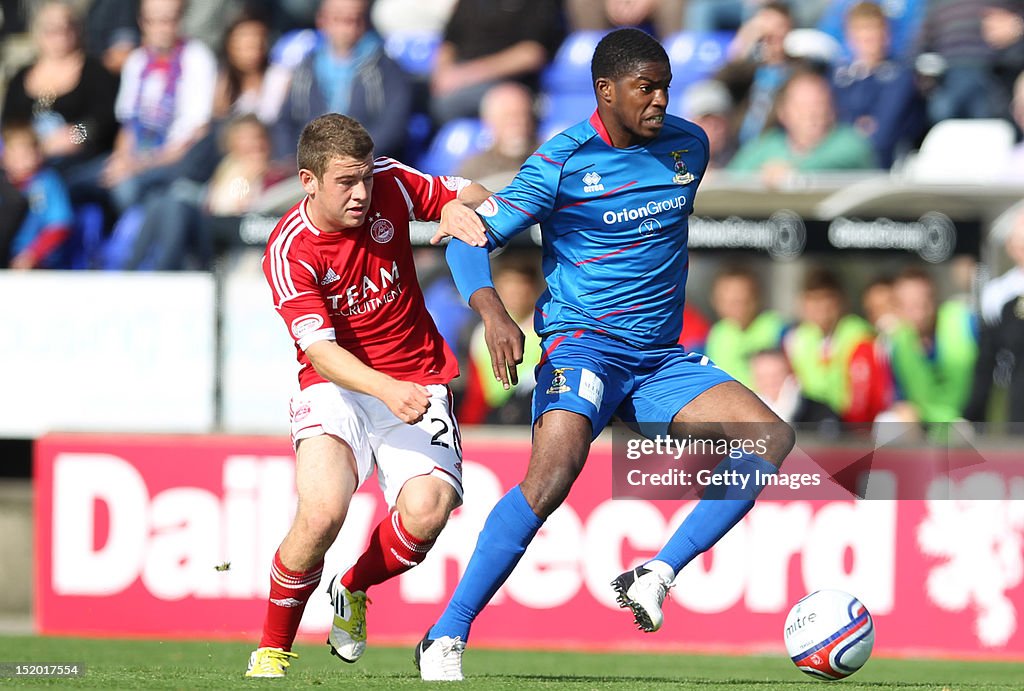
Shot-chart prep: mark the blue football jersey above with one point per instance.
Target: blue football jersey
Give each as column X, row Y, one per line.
column 614, row 226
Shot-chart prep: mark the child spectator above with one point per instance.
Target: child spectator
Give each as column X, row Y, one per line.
column 41, row 235
column 875, row 95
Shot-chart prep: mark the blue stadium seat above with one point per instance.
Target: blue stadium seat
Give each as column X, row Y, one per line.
column 569, row 72
column 562, row 110
column 456, row 141
column 696, row 55
column 414, row 51
column 83, row 247
column 118, row 249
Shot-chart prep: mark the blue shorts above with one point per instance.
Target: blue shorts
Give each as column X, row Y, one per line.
column 598, row 377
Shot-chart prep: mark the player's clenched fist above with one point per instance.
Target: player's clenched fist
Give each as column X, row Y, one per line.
column 408, row 401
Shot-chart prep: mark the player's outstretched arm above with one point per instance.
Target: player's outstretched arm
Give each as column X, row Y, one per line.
column 459, row 220
column 407, row 400
column 503, row 336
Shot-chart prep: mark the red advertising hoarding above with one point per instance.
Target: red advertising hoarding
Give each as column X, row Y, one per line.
column 173, row 536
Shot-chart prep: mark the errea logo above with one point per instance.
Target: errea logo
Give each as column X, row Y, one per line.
column 592, row 182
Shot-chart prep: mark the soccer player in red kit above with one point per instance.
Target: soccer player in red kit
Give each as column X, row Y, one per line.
column 373, row 376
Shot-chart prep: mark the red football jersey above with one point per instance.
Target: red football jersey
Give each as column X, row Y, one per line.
column 359, row 286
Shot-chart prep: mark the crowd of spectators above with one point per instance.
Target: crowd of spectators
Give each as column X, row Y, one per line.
column 161, row 123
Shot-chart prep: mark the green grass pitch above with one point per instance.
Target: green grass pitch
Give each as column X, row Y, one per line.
column 121, row 664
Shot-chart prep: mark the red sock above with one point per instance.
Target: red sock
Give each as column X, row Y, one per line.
column 392, row 550
column 289, row 591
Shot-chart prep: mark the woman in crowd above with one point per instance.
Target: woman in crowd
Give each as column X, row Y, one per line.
column 67, row 96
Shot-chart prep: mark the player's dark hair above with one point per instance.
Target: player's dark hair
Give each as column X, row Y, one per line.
column 820, row 279
column 331, row 136
column 622, row 51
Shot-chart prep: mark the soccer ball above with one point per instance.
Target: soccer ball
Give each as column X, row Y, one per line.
column 829, row 634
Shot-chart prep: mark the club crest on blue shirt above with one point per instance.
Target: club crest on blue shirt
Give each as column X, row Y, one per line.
column 682, row 175
column 559, row 384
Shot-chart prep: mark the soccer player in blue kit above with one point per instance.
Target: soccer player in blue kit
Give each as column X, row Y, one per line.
column 612, row 195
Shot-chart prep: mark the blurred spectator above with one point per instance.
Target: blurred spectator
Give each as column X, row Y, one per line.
column 834, row 354
column 1001, row 342
column 112, row 31
column 488, row 41
column 876, row 95
column 164, row 105
column 742, row 328
column 952, row 38
column 518, row 281
column 933, row 349
column 1002, row 27
column 1015, row 164
column 66, row 95
column 903, row 19
column 39, row 239
column 772, row 379
column 758, row 67
column 208, row 21
column 349, row 73
column 718, row 15
column 809, row 140
column 411, row 16
column 507, row 112
column 879, row 305
column 178, row 229
column 662, row 17
column 247, row 82
column 708, row 104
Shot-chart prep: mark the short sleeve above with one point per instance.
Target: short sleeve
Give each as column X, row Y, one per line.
column 297, row 298
column 425, row 195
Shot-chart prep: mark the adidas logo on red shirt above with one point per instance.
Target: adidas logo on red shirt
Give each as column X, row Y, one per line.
column 330, row 277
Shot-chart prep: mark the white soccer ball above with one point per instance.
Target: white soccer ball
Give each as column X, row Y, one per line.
column 829, row 634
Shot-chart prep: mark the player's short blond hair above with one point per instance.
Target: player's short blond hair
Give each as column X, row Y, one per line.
column 328, row 137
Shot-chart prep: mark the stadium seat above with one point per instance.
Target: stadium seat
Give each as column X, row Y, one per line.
column 455, row 142
column 293, row 46
column 562, row 110
column 118, row 249
column 569, row 71
column 413, row 51
column 941, row 161
column 83, row 247
column 696, row 55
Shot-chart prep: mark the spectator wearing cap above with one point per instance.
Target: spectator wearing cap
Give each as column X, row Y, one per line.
column 708, row 104
column 809, row 138
column 874, row 94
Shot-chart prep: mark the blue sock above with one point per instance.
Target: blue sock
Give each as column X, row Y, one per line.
column 510, row 527
column 716, row 513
